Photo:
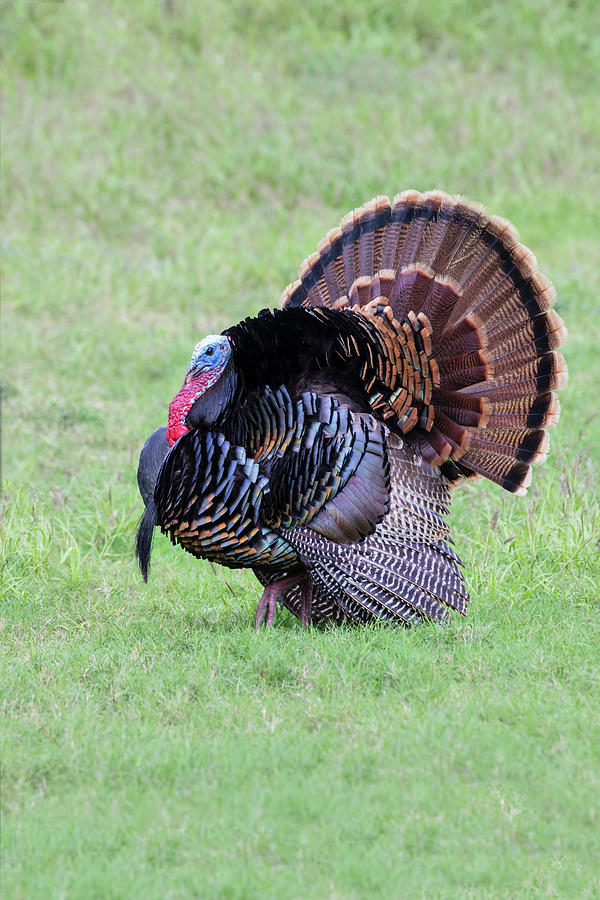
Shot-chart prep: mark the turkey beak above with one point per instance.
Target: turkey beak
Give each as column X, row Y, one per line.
column 192, row 373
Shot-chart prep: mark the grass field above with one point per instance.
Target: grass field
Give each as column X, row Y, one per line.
column 166, row 168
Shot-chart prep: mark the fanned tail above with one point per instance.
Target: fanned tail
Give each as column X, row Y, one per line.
column 468, row 363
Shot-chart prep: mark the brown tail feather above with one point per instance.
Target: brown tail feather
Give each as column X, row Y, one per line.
column 526, row 412
column 467, row 357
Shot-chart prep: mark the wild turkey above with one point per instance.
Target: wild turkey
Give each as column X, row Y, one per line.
column 317, row 444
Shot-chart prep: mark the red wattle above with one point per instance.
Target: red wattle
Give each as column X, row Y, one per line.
column 174, row 432
column 181, row 404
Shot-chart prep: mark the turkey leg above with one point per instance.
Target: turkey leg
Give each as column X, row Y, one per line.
column 267, row 605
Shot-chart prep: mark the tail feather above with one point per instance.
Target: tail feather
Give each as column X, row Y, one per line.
column 440, row 303
column 512, row 476
column 523, row 444
column 525, row 412
column 412, row 236
column 467, row 336
column 500, row 327
column 464, row 409
column 465, row 369
column 473, row 374
column 330, row 285
column 460, row 227
column 548, row 373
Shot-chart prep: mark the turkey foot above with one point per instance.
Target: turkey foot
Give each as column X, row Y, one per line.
column 267, row 605
column 307, row 599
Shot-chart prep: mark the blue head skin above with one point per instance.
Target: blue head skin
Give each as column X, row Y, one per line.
column 211, row 355
column 207, row 389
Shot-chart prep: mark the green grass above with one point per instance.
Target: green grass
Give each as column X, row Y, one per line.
column 166, row 167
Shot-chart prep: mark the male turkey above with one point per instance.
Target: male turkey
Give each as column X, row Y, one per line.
column 317, row 444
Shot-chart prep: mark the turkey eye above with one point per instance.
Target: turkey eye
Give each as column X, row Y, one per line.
column 210, row 351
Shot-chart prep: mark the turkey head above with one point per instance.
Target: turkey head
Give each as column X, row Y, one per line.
column 207, row 389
